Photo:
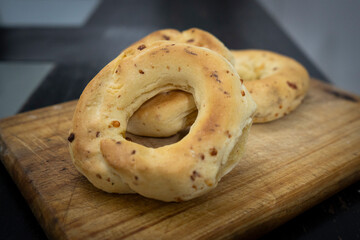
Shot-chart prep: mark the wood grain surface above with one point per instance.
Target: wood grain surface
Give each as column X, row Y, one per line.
column 290, row 165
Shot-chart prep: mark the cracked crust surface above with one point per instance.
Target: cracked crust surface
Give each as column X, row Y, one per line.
column 176, row 172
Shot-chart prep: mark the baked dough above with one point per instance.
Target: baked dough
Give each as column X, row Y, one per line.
column 164, row 115
column 176, row 172
column 163, row 120
column 192, row 36
column 277, row 84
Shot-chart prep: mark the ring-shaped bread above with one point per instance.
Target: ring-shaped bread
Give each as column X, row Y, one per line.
column 176, row 172
column 277, row 84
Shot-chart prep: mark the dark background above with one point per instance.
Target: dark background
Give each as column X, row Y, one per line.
column 80, row 52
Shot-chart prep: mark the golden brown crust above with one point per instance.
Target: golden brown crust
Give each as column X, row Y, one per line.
column 164, row 120
column 277, row 84
column 181, row 171
column 192, row 36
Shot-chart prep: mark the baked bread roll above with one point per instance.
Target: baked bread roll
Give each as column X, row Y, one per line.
column 176, row 172
column 277, row 83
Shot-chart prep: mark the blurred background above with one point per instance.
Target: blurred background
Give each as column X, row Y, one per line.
column 327, row 32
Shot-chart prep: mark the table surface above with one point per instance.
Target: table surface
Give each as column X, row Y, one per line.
column 79, row 53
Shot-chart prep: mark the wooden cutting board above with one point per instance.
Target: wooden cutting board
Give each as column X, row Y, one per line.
column 290, row 165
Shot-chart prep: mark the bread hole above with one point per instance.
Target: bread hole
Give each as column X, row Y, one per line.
column 151, row 119
column 156, row 142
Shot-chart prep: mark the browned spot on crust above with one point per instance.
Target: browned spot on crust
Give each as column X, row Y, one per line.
column 153, row 53
column 98, row 176
column 167, row 67
column 242, row 81
column 118, row 142
column 119, row 96
column 178, row 199
column 152, row 67
column 194, row 187
column 98, row 134
column 228, row 134
column 280, row 106
column 136, row 177
column 115, row 124
column 276, row 114
column 292, row 85
column 190, row 40
column 166, row 37
column 133, row 152
column 165, row 49
column 208, row 182
column 129, row 139
column 213, row 151
column 216, row 76
column 190, row 52
column 108, row 179
column 275, row 68
column 202, row 156
column 179, row 69
column 71, row 137
column 141, row 47
column 118, row 69
column 242, row 93
column 141, row 71
column 194, row 175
